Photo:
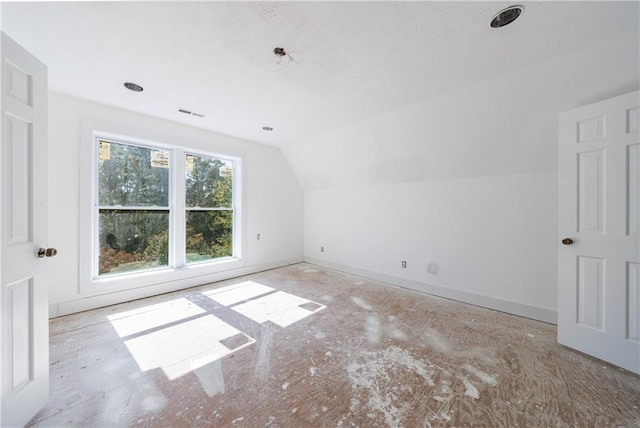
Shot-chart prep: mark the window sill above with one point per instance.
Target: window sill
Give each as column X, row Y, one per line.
column 128, row 281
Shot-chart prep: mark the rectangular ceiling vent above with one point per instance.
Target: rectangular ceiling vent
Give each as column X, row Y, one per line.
column 192, row 113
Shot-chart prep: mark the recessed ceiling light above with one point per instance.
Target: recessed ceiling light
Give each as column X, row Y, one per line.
column 133, row 87
column 267, row 128
column 506, row 16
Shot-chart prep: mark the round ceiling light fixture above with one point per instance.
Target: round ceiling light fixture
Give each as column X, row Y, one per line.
column 267, row 128
column 506, row 16
column 133, row 87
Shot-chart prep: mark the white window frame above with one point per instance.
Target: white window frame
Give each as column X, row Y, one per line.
column 97, row 207
column 93, row 284
column 184, row 207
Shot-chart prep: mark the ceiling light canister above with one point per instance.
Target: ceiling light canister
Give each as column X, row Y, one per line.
column 133, row 87
column 506, row 16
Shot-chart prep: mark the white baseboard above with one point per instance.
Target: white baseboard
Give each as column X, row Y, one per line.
column 98, row 301
column 533, row 312
column 107, row 299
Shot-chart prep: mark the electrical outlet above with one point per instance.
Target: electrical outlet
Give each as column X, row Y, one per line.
column 433, row 268
column 322, row 249
column 258, row 236
column 404, row 264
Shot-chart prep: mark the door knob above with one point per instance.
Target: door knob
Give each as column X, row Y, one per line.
column 46, row 252
column 567, row 241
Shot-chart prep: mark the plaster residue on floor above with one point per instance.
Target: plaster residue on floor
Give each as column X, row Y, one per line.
column 388, row 383
column 360, row 302
column 380, row 386
column 260, row 351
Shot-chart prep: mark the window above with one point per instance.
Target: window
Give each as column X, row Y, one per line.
column 142, row 203
column 209, row 208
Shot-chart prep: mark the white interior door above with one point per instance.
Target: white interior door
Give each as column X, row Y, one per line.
column 599, row 272
column 24, row 329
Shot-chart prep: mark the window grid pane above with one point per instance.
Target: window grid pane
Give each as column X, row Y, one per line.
column 208, row 235
column 209, row 208
column 132, row 240
column 209, row 182
column 132, row 208
column 131, row 175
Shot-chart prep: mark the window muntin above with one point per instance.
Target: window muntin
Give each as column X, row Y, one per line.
column 150, row 214
column 132, row 210
column 209, row 213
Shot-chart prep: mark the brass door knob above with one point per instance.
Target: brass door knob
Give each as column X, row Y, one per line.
column 46, row 252
column 567, row 241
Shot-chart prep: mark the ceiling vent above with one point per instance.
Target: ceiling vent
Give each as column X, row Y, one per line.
column 506, row 16
column 191, row 113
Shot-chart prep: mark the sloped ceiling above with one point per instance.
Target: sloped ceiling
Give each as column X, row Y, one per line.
column 351, row 60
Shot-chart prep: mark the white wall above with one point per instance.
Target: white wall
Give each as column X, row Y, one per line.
column 273, row 199
column 467, row 180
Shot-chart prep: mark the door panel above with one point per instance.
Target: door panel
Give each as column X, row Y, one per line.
column 633, row 291
column 633, row 120
column 598, row 290
column 591, row 129
column 25, row 333
column 19, row 85
column 19, row 187
column 590, row 191
column 20, row 316
column 633, row 189
column 590, row 291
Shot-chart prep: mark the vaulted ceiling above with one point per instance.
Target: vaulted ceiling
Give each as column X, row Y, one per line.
column 345, row 62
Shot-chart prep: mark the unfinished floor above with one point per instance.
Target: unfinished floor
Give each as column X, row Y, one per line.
column 304, row 346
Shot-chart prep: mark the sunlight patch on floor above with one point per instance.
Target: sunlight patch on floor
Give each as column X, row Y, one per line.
column 184, row 347
column 179, row 336
column 153, row 316
column 280, row 308
column 237, row 293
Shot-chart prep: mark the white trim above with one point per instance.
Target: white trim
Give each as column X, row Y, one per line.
column 121, row 296
column 177, row 273
column 132, row 208
column 1, row 228
column 177, row 220
column 533, row 312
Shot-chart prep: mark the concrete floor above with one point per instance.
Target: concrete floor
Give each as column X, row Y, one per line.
column 304, row 346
